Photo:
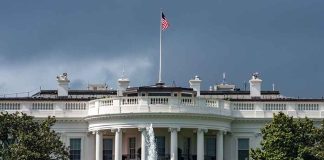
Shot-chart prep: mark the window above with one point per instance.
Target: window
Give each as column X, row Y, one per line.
column 132, row 148
column 210, row 147
column 160, row 144
column 107, row 149
column 243, row 149
column 186, row 148
column 75, row 149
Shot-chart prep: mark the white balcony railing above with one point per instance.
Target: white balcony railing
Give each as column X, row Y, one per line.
column 47, row 108
column 159, row 104
column 197, row 105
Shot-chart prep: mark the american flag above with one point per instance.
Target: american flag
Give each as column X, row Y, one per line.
column 164, row 22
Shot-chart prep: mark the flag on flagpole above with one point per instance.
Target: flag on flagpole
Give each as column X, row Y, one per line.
column 164, row 22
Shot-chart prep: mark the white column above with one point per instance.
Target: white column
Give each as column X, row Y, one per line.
column 174, row 143
column 90, row 146
column 143, row 143
column 219, row 147
column 98, row 145
column 118, row 143
column 200, row 143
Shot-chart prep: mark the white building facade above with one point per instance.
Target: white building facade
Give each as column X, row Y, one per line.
column 189, row 123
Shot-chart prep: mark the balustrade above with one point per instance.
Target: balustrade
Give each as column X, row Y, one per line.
column 129, row 101
column 159, row 100
column 197, row 105
column 187, row 101
column 9, row 106
column 42, row 106
column 274, row 106
column 212, row 103
column 106, row 102
column 75, row 106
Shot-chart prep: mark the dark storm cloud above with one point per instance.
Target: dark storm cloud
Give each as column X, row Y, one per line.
column 93, row 39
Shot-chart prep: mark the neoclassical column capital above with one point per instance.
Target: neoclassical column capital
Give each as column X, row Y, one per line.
column 114, row 130
column 97, row 132
column 174, row 129
column 221, row 132
column 142, row 129
column 90, row 133
column 204, row 130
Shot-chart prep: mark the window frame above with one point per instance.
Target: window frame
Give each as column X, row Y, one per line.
column 81, row 144
column 112, row 147
column 237, row 146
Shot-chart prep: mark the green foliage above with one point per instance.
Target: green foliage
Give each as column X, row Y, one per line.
column 23, row 138
column 288, row 139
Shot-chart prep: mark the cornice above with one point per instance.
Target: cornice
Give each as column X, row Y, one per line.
column 158, row 115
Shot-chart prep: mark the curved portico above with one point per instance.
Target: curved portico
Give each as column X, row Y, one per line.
column 182, row 121
column 178, row 130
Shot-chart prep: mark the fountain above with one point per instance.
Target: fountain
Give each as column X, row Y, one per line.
column 150, row 144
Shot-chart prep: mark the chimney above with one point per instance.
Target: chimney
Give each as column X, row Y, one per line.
column 123, row 84
column 255, row 86
column 195, row 85
column 63, row 85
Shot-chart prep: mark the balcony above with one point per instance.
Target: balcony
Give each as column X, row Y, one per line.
column 167, row 104
column 200, row 105
column 194, row 105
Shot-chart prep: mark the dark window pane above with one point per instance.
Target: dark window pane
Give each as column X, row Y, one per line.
column 75, row 148
column 132, row 145
column 243, row 149
column 107, row 149
column 160, row 144
column 243, row 144
column 211, row 146
column 243, row 154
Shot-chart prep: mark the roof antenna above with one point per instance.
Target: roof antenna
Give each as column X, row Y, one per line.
column 123, row 73
column 224, row 77
column 273, row 87
column 173, row 84
column 244, row 83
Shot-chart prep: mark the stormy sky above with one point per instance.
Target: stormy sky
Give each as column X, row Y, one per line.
column 94, row 40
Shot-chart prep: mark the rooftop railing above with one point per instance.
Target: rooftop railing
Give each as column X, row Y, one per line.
column 160, row 104
column 45, row 108
column 199, row 105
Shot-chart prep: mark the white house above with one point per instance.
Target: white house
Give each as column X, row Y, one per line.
column 222, row 123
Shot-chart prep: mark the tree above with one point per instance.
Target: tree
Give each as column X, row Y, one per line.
column 288, row 139
column 23, row 138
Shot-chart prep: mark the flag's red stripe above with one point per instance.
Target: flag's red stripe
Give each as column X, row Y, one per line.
column 164, row 23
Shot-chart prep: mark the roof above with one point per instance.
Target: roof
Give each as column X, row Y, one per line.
column 278, row 100
column 159, row 89
column 237, row 92
column 78, row 92
column 45, row 99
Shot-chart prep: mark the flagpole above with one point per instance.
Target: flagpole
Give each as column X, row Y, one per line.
column 160, row 71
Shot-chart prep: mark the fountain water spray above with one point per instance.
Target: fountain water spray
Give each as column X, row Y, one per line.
column 151, row 145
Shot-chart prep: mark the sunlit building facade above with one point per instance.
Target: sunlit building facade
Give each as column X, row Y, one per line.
column 221, row 123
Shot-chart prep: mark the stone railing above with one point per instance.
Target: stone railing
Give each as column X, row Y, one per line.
column 190, row 105
column 266, row 109
column 197, row 105
column 159, row 104
column 46, row 108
